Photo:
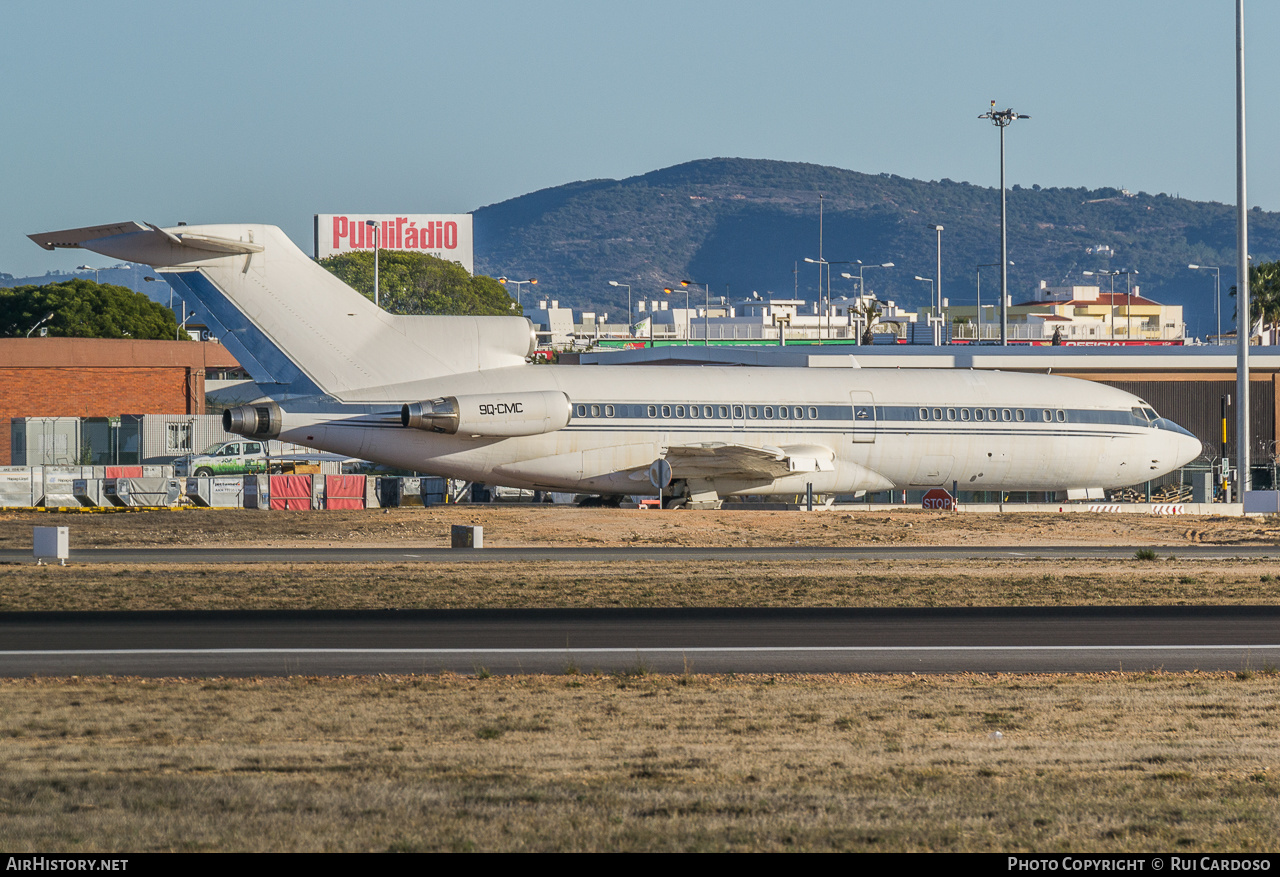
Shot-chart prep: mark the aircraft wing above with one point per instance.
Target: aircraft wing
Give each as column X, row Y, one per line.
column 724, row 460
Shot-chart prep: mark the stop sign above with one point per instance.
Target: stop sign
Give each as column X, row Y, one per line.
column 938, row 499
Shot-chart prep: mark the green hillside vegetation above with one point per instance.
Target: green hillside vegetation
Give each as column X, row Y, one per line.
column 744, row 224
column 84, row 309
column 418, row 283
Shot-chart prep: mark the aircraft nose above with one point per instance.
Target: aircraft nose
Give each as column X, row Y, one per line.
column 1175, row 448
column 1179, row 448
column 1187, row 448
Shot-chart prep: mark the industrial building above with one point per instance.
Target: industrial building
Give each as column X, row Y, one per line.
column 104, row 378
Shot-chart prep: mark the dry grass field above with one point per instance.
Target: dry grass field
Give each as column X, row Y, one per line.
column 636, row 583
column 1111, row 762
column 967, row 763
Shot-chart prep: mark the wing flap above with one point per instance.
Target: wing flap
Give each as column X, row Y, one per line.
column 723, row 460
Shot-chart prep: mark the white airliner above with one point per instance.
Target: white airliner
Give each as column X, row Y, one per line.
column 458, row 397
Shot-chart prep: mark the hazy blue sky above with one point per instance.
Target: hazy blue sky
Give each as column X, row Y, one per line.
column 272, row 111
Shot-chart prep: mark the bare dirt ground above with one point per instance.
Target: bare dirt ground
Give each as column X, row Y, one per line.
column 561, row 526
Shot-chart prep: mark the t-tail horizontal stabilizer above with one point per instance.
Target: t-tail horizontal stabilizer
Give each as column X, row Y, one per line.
column 148, row 244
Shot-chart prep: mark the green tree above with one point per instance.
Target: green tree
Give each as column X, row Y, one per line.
column 84, row 309
column 1264, row 294
column 868, row 312
column 418, row 283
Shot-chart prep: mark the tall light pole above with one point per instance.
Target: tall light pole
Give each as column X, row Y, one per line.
column 979, row 274
column 373, row 224
column 90, row 268
column 1128, row 307
column 1113, row 275
column 1128, row 304
column 629, row 314
column 820, row 262
column 1002, row 119
column 937, row 336
column 1217, row 293
column 150, row 279
column 706, row 311
column 687, row 322
column 938, row 229
column 519, row 283
column 1244, row 321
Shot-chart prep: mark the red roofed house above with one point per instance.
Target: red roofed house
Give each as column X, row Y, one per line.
column 1081, row 314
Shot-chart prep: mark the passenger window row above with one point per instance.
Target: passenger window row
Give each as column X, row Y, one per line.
column 700, row 412
column 1003, row 415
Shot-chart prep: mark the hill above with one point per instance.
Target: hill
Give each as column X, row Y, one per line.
column 742, row 225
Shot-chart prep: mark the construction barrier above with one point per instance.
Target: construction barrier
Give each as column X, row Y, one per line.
column 15, row 487
column 216, row 491
column 344, row 491
column 256, row 492
column 142, row 492
column 291, row 492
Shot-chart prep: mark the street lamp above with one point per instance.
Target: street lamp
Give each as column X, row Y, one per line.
column 861, row 289
column 937, row 339
column 1128, row 304
column 46, row 318
column 820, row 262
column 979, row 273
column 1002, row 119
column 90, row 268
column 149, row 279
column 518, row 284
column 374, row 225
column 668, row 290
column 629, row 314
column 1113, row 275
column 938, row 229
column 706, row 311
column 1217, row 294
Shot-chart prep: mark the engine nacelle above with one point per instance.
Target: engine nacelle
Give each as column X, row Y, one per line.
column 490, row 415
column 259, row 421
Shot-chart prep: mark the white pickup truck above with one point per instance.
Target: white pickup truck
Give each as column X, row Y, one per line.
column 242, row 457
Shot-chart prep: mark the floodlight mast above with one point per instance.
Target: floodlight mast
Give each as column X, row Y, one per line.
column 1244, row 318
column 1002, row 119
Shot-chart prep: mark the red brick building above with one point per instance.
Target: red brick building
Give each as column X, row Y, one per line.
column 103, row 377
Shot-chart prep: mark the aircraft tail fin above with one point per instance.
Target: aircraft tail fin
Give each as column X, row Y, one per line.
column 293, row 324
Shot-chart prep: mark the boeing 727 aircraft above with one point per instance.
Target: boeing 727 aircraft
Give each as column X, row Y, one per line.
column 458, row 397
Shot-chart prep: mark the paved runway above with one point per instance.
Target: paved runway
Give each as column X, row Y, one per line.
column 721, row 640
column 358, row 554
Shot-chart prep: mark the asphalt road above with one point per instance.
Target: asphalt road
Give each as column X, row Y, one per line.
column 1084, row 639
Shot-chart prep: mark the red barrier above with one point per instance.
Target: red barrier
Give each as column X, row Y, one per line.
column 124, row 472
column 344, row 491
column 290, row 492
